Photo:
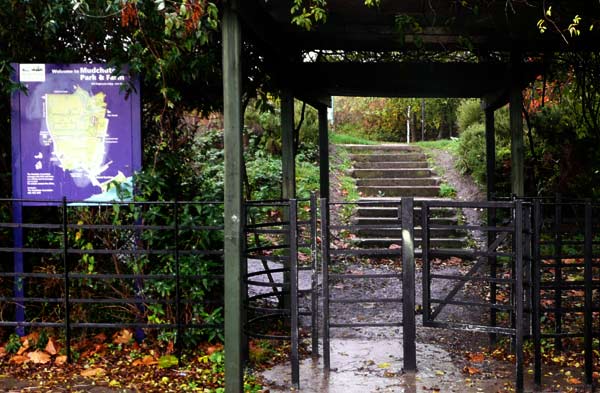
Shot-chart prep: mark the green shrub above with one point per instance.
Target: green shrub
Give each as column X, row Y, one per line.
column 471, row 152
column 469, row 112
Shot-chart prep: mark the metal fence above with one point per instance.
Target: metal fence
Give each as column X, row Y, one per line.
column 152, row 266
column 566, row 278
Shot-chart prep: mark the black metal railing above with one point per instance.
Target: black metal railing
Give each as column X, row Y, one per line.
column 281, row 253
column 566, row 271
column 150, row 266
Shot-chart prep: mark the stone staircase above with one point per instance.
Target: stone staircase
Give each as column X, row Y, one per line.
column 385, row 173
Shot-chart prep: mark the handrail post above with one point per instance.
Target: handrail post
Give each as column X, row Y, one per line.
column 588, row 305
column 408, row 286
column 314, row 294
column 294, row 293
column 518, row 266
column 325, row 282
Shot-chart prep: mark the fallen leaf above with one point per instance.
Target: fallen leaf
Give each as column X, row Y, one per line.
column 123, row 337
column 24, row 347
column 32, row 337
column 39, row 357
column 214, row 348
column 147, row 360
column 93, row 372
column 170, row 347
column 439, row 372
column 100, row 337
column 18, row 359
column 476, row 357
column 471, row 370
column 574, row 381
column 51, row 347
column 60, row 360
column 384, row 365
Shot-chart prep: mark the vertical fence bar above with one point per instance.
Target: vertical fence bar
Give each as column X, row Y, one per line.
column 588, row 313
column 408, row 286
column 19, row 281
column 493, row 262
column 518, row 267
column 536, row 292
column 527, row 224
column 558, row 272
column 294, row 293
column 67, row 284
column 325, row 281
column 179, row 335
column 314, row 294
column 426, row 263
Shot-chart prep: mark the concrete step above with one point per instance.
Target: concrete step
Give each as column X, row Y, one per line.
column 457, row 243
column 391, row 165
column 410, row 156
column 390, row 173
column 400, row 191
column 451, row 220
column 397, row 233
column 385, row 148
column 407, row 181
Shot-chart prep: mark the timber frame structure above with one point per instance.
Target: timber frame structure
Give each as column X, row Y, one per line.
column 499, row 35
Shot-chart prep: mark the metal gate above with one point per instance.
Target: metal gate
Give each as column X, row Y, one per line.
column 496, row 262
column 281, row 248
column 339, row 242
column 499, row 263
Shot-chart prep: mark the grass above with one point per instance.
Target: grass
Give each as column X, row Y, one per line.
column 342, row 139
column 442, row 144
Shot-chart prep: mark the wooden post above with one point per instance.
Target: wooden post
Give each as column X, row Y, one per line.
column 490, row 152
column 323, row 153
column 288, row 163
column 516, row 132
column 233, row 201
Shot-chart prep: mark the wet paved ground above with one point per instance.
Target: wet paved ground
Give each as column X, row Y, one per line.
column 376, row 366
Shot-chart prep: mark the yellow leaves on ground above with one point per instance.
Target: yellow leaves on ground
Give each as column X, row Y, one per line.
column 384, row 365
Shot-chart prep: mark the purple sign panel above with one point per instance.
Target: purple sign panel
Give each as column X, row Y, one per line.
column 75, row 133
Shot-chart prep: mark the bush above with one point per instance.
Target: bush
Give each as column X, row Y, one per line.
column 469, row 112
column 471, row 152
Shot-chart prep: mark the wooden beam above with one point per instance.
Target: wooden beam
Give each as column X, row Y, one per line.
column 517, row 146
column 323, row 153
column 288, row 164
column 402, row 79
column 233, row 201
column 490, row 153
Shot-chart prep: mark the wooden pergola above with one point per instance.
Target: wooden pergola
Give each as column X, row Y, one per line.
column 498, row 35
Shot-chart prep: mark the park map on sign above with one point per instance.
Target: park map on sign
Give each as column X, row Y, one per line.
column 78, row 126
